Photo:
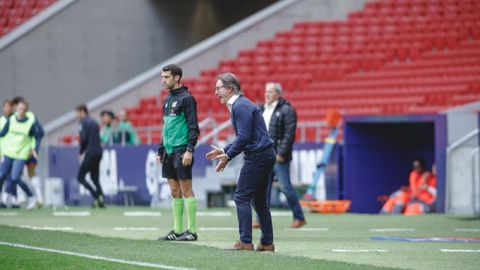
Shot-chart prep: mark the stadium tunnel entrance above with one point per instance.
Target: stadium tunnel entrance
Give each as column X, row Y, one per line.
column 378, row 154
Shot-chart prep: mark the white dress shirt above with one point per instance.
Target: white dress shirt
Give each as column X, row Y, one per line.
column 231, row 101
column 268, row 112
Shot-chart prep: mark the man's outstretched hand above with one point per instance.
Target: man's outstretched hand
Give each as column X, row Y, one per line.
column 218, row 153
column 222, row 162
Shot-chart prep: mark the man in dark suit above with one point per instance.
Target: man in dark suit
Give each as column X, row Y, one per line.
column 253, row 140
column 281, row 120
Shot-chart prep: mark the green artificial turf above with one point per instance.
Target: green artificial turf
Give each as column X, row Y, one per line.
column 109, row 233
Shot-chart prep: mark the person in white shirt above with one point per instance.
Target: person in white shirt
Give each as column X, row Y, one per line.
column 281, row 120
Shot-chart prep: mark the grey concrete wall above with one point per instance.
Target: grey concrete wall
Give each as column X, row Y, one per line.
column 94, row 45
column 461, row 121
column 462, row 183
column 80, row 53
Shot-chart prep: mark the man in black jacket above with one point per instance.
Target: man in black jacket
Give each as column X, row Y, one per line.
column 90, row 154
column 281, row 121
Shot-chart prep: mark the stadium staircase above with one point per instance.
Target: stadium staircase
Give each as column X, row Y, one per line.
column 393, row 57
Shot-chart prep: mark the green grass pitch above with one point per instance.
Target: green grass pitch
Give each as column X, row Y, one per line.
column 112, row 239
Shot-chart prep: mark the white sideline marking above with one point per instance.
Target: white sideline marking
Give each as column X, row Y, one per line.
column 280, row 214
column 214, row 214
column 135, row 229
column 142, row 214
column 359, row 250
column 72, row 213
column 460, row 250
column 94, row 257
column 392, row 230
column 8, row 214
column 47, row 228
column 468, row 230
column 218, row 229
column 308, row 229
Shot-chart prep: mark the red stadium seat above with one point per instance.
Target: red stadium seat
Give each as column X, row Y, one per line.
column 14, row 13
column 393, row 57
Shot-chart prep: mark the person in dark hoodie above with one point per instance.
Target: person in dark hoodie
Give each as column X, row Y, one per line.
column 281, row 120
column 175, row 152
column 90, row 154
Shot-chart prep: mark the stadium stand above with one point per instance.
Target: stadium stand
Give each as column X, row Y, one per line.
column 15, row 12
column 393, row 57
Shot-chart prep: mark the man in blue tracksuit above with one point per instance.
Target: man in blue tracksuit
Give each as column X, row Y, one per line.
column 253, row 139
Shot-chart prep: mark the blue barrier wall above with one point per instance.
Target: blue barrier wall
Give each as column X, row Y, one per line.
column 378, row 155
column 333, row 170
column 132, row 165
column 135, row 166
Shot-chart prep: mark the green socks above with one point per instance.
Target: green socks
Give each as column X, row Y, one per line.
column 177, row 209
column 191, row 205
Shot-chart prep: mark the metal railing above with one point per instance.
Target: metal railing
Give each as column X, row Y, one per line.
column 207, row 123
column 475, row 166
column 450, row 149
column 214, row 133
column 210, row 130
column 303, row 126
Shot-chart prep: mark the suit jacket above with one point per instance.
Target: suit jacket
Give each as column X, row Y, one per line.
column 249, row 126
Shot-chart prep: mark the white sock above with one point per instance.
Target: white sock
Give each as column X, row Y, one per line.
column 4, row 197
column 37, row 188
column 7, row 200
column 13, row 200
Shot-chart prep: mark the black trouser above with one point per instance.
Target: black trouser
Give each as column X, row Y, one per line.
column 91, row 163
column 252, row 188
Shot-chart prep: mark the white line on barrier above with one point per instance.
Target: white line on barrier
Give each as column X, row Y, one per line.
column 218, row 229
column 72, row 213
column 214, row 214
column 392, row 230
column 308, row 229
column 359, row 250
column 8, row 214
column 468, row 230
column 135, row 229
column 46, row 228
column 281, row 214
column 142, row 214
column 461, row 250
column 95, row 257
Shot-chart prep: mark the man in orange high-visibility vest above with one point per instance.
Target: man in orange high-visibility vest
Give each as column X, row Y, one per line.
column 424, row 194
column 419, row 197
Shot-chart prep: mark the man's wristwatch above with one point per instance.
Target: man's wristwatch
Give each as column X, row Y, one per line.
column 190, row 150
